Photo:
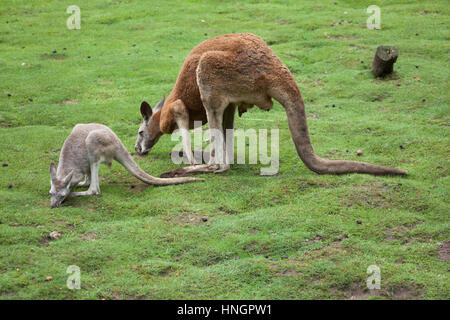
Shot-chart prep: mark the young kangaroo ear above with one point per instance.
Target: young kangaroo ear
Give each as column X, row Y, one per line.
column 68, row 178
column 52, row 171
column 160, row 104
column 146, row 110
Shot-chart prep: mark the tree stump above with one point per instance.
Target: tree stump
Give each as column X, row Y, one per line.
column 383, row 62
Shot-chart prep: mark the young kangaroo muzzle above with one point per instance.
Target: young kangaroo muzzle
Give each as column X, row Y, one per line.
column 85, row 148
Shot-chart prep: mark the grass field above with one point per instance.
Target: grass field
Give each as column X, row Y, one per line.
column 296, row 235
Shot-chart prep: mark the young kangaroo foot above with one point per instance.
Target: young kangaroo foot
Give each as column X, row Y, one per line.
column 85, row 193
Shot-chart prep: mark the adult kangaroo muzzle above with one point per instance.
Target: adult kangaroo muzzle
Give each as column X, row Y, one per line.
column 229, row 72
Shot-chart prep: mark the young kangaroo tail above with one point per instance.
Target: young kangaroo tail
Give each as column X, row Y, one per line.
column 127, row 161
column 289, row 96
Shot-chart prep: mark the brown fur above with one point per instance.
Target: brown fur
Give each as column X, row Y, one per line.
column 241, row 70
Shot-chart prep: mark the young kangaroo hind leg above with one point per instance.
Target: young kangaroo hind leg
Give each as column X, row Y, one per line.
column 99, row 144
column 94, row 187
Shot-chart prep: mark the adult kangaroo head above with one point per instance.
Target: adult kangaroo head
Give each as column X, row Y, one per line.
column 149, row 131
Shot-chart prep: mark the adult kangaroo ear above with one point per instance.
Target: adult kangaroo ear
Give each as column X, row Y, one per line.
column 68, row 178
column 52, row 171
column 160, row 104
column 146, row 110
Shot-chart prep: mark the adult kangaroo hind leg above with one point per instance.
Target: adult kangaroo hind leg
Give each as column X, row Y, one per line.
column 215, row 106
column 215, row 95
column 228, row 133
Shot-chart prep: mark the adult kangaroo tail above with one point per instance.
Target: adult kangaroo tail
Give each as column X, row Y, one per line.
column 127, row 161
column 289, row 96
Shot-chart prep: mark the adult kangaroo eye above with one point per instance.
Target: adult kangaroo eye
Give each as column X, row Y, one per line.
column 141, row 133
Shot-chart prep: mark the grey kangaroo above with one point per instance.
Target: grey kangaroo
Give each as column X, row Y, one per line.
column 85, row 148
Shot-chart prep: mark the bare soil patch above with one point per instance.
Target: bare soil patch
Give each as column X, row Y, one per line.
column 444, row 251
column 342, row 38
column 374, row 195
column 361, row 292
column 187, row 219
column 89, row 236
column 67, row 102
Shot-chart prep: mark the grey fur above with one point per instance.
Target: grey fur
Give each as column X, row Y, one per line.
column 85, row 148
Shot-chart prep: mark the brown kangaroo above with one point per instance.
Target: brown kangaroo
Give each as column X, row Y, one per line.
column 228, row 72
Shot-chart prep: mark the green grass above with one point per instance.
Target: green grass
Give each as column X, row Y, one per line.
column 266, row 237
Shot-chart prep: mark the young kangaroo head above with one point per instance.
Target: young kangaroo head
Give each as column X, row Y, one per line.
column 149, row 131
column 60, row 188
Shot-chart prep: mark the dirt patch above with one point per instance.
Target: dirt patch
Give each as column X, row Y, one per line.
column 431, row 12
column 380, row 97
column 374, row 195
column 228, row 210
column 187, row 219
column 90, row 236
column 64, row 224
column 308, row 184
column 327, row 251
column 384, row 109
column 440, row 122
column 404, row 293
column 6, row 295
column 251, row 246
column 316, row 238
column 283, row 271
column 3, row 124
column 45, row 240
column 361, row 292
column 283, row 22
column 444, row 251
column 357, row 293
column 138, row 188
column 67, row 102
column 342, row 38
column 399, row 233
column 276, row 200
